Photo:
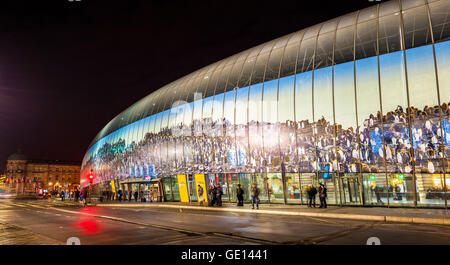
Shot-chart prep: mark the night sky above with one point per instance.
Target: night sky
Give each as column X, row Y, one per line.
column 68, row 68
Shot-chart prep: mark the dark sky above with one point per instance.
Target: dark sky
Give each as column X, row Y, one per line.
column 67, row 68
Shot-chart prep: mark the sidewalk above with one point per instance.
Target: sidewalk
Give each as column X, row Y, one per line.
column 401, row 215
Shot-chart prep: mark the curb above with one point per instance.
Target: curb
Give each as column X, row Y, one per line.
column 364, row 217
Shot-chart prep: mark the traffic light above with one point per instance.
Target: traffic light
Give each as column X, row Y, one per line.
column 401, row 176
column 91, row 177
column 372, row 177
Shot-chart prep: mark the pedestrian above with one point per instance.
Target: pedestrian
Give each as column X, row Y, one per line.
column 77, row 195
column 322, row 196
column 142, row 196
column 62, row 195
column 240, row 195
column 135, row 196
column 130, row 195
column 125, row 197
column 377, row 191
column 211, row 196
column 219, row 193
column 120, row 195
column 200, row 195
column 255, row 196
column 312, row 191
column 84, row 196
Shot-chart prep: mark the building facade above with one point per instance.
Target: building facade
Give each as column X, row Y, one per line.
column 28, row 176
column 359, row 103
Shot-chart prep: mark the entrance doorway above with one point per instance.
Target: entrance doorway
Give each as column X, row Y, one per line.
column 351, row 190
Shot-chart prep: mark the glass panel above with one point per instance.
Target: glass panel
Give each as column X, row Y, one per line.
column 232, row 182
column 234, row 76
column 366, row 39
column 343, row 51
column 388, row 8
column 275, row 187
column 188, row 149
column 175, row 189
column 395, row 101
column 368, row 107
column 323, row 118
column 443, row 67
column 258, row 70
column 306, row 55
column 286, row 117
column 439, row 14
column 431, row 189
column 306, row 180
column 400, row 187
column 324, row 53
column 261, row 183
column 242, row 130
column 304, row 122
column 164, row 143
column 389, row 34
column 255, row 130
column 228, row 116
column 273, row 66
column 375, row 191
column 425, row 113
column 417, row 30
column 217, row 133
column 293, row 191
column 247, row 71
column 289, row 60
column 367, row 14
column 271, row 127
column 347, row 20
column 166, row 185
column 347, row 144
column 411, row 3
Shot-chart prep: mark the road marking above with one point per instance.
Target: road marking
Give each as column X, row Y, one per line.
column 322, row 220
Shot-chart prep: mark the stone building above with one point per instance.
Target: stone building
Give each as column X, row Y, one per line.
column 29, row 175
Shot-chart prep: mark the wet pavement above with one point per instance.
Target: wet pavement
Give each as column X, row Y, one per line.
column 42, row 222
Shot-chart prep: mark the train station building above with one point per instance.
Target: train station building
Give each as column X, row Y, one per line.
column 358, row 103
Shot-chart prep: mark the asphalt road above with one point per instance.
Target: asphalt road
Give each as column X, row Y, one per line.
column 37, row 222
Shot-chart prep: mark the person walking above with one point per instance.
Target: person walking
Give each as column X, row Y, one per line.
column 255, row 196
column 240, row 195
column 322, row 196
column 219, row 193
column 135, row 196
column 201, row 199
column 312, row 191
column 125, row 197
column 62, row 195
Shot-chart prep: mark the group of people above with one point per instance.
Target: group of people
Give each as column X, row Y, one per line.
column 215, row 195
column 121, row 195
column 312, row 191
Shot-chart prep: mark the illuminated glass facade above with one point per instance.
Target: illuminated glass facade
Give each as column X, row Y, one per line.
column 359, row 103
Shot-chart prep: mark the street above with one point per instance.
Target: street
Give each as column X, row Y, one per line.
column 40, row 222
